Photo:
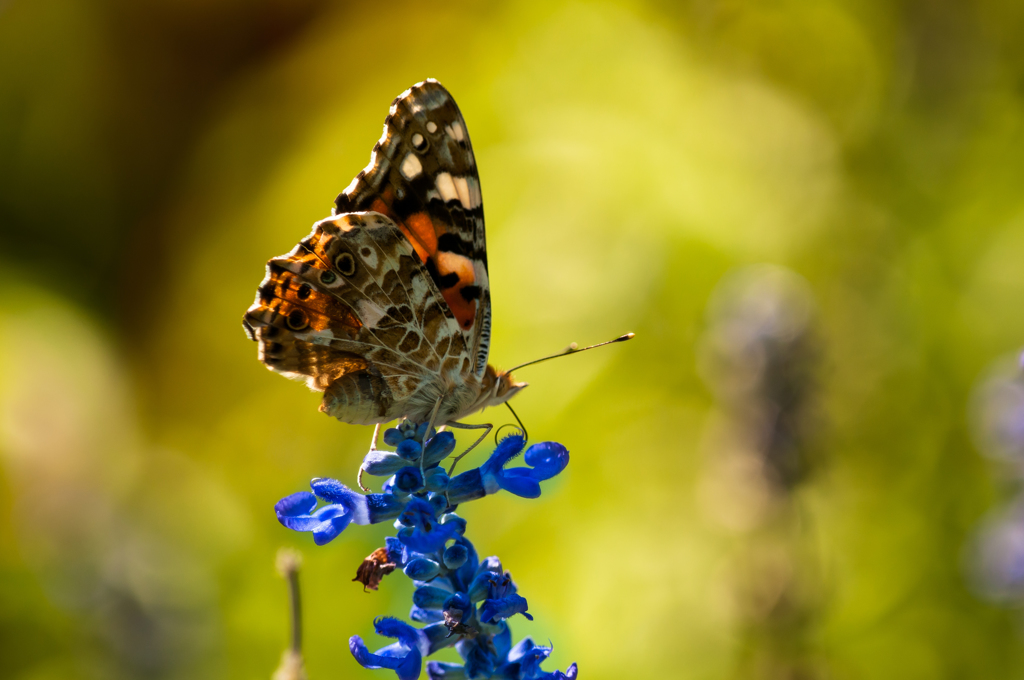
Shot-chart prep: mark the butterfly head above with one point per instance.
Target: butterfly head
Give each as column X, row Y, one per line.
column 500, row 386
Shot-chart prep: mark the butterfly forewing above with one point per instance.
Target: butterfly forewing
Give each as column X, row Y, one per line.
column 422, row 174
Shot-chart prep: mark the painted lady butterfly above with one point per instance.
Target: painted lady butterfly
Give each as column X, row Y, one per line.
column 385, row 306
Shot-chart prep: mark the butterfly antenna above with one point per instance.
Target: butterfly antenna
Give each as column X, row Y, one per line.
column 571, row 349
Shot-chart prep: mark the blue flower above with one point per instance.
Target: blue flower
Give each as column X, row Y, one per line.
column 404, row 657
column 294, row 512
column 490, row 657
column 421, row 532
column 344, row 507
column 524, row 662
column 502, row 600
column 545, row 459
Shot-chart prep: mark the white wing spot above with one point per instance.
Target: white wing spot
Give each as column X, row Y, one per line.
column 462, row 186
column 417, row 140
column 446, row 187
column 457, row 131
column 369, row 256
column 431, row 127
column 411, row 167
column 369, row 313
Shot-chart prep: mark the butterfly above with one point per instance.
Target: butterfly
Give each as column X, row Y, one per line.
column 385, row 307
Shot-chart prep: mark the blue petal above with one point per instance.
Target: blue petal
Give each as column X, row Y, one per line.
column 493, row 611
column 442, row 670
column 437, row 637
column 506, row 450
column 327, row 531
column 406, row 666
column 430, row 541
column 547, row 459
column 310, row 522
column 405, row 657
column 396, row 551
column 480, row 660
column 523, row 648
column 299, row 503
column 388, row 626
column 569, row 674
column 524, row 487
column 502, row 641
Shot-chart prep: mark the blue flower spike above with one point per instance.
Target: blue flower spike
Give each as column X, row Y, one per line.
column 459, row 599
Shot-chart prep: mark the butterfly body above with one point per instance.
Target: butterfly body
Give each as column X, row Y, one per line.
column 385, row 306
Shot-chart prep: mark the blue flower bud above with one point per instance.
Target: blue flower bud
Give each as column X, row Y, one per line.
column 452, row 518
column 393, row 436
column 430, row 597
column 422, row 569
column 438, row 447
column 409, row 449
column 421, row 432
column 383, row 463
column 436, row 479
column 425, row 615
column 438, row 501
column 409, row 479
column 480, row 586
column 455, row 556
column 445, row 670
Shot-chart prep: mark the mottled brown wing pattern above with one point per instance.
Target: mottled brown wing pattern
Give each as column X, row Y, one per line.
column 352, row 311
column 422, row 174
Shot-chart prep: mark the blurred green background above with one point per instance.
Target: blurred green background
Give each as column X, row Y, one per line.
column 153, row 155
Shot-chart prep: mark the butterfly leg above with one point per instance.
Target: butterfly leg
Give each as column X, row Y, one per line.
column 426, row 433
column 373, row 447
column 487, row 427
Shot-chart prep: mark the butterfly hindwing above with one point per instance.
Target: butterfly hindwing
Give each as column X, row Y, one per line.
column 353, row 312
column 422, row 175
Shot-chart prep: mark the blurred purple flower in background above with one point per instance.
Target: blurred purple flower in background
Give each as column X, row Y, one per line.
column 996, row 554
column 758, row 355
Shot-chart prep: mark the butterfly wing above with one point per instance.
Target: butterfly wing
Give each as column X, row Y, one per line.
column 353, row 312
column 422, row 174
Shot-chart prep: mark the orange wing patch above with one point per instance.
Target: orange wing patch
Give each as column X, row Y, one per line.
column 423, row 235
column 463, row 307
